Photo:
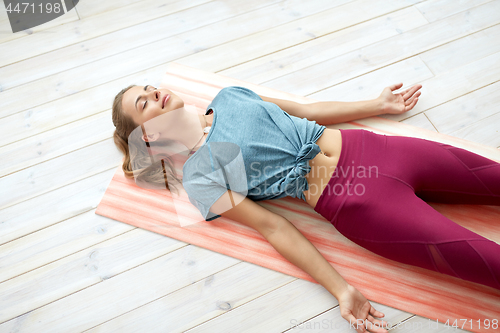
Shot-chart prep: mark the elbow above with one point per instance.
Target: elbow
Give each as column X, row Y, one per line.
column 274, row 226
column 312, row 113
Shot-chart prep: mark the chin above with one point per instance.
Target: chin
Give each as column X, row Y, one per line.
column 179, row 103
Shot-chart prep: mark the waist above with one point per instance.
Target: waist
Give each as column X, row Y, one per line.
column 323, row 164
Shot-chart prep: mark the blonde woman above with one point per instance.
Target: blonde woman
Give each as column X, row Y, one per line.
column 374, row 190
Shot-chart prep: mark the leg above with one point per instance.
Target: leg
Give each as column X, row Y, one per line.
column 443, row 173
column 390, row 220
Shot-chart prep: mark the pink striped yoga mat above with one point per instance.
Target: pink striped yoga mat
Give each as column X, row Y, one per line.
column 412, row 289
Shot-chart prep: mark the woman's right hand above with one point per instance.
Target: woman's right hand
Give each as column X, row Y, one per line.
column 356, row 309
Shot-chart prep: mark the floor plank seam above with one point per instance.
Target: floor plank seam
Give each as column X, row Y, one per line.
column 386, row 65
column 174, row 291
column 179, row 59
column 112, row 55
column 56, row 188
column 431, row 122
column 316, row 37
column 70, row 254
column 125, row 27
column 247, row 302
column 311, row 318
column 467, row 93
column 58, row 156
column 47, row 226
column 472, row 124
column 51, row 129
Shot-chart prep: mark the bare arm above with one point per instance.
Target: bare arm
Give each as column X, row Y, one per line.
column 284, row 237
column 297, row 249
column 327, row 113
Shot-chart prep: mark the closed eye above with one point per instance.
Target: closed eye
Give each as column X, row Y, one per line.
column 146, row 102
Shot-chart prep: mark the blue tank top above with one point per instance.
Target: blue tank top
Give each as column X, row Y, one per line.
column 254, row 148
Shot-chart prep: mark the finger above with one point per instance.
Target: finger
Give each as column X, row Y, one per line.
column 406, row 91
column 376, row 327
column 358, row 326
column 409, row 107
column 410, row 100
column 395, row 86
column 377, row 321
column 411, row 91
column 376, row 313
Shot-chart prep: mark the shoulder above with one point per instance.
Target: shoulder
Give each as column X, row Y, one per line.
column 232, row 96
column 238, row 92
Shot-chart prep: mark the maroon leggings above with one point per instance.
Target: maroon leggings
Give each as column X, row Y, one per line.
column 377, row 198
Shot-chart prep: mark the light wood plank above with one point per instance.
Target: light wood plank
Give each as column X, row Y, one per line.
column 280, row 37
column 55, row 242
column 71, row 108
column 434, row 10
column 326, row 47
column 420, row 120
column 132, row 61
column 303, row 301
column 56, row 142
column 96, row 25
column 137, row 37
column 470, row 48
column 370, row 86
column 216, row 295
column 6, row 33
column 103, row 259
column 377, row 55
column 124, row 292
column 53, row 207
column 87, row 8
column 58, row 172
column 455, row 83
column 260, row 316
column 486, row 131
column 466, row 110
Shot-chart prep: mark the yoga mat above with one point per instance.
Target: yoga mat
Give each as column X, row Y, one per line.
column 412, row 289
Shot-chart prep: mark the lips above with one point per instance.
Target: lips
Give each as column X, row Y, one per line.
column 165, row 99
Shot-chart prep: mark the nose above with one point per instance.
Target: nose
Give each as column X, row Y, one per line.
column 156, row 95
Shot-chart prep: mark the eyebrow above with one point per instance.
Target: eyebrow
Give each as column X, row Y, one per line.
column 141, row 96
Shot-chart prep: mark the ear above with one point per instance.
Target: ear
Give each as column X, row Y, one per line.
column 150, row 137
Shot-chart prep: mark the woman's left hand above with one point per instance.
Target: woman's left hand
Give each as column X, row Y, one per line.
column 400, row 102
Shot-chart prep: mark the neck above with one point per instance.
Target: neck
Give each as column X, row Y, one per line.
column 184, row 125
column 205, row 121
column 208, row 118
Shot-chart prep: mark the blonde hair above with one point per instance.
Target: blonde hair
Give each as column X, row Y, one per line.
column 154, row 174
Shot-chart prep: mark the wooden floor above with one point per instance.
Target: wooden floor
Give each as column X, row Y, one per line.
column 66, row 269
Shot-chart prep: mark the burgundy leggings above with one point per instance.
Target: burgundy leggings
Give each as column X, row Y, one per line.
column 377, row 198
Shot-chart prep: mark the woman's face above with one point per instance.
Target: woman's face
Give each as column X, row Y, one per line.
column 145, row 103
